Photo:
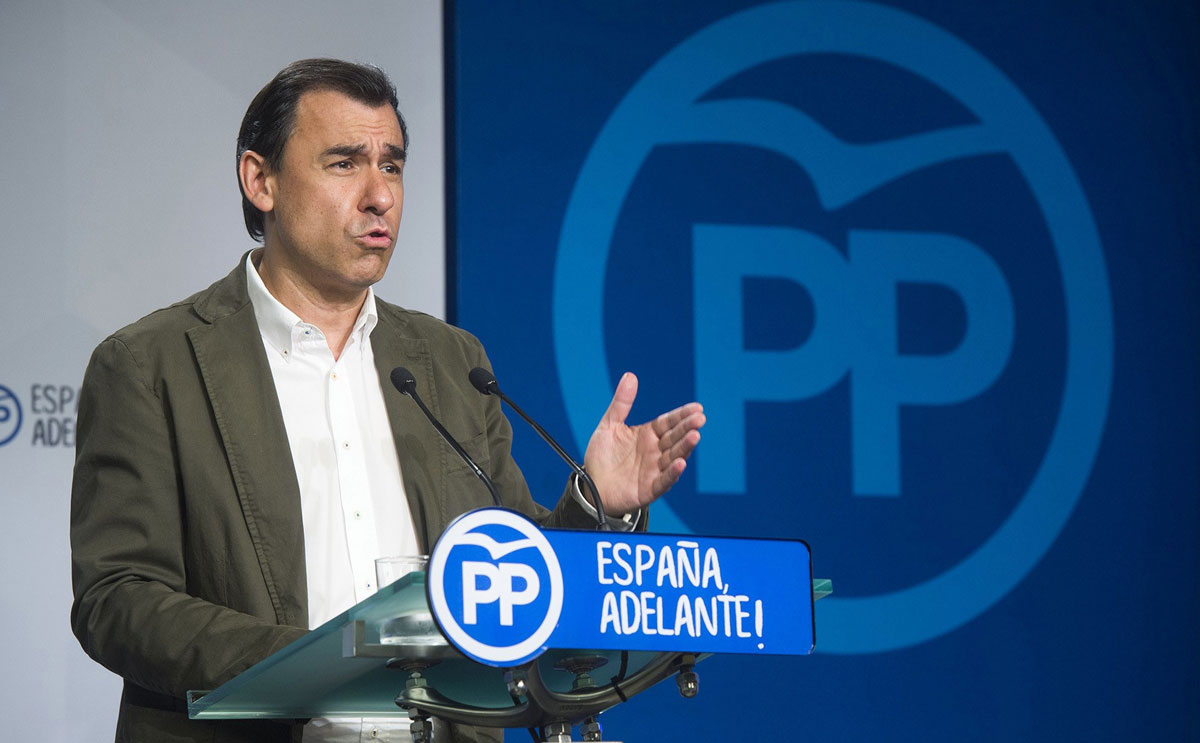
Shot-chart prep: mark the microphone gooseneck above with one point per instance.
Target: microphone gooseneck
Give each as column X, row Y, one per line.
column 484, row 381
column 403, row 380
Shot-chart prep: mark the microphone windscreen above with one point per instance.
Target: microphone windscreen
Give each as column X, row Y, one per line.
column 483, row 380
column 403, row 380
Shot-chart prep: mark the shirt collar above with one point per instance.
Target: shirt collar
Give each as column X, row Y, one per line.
column 277, row 323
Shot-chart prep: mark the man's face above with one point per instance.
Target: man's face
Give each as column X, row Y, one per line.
column 338, row 194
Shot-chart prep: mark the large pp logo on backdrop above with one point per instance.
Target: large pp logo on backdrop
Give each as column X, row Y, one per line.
column 853, row 291
column 495, row 587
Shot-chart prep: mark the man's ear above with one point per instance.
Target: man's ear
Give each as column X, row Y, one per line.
column 256, row 182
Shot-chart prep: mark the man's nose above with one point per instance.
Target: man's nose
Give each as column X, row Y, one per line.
column 377, row 196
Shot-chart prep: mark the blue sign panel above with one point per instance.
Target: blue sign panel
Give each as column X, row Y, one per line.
column 503, row 591
column 686, row 594
column 930, row 266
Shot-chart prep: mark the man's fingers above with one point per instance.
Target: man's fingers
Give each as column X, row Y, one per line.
column 668, row 477
column 668, row 420
column 693, row 422
column 622, row 400
column 680, row 450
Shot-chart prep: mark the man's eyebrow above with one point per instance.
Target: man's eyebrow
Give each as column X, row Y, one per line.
column 394, row 152
column 346, row 150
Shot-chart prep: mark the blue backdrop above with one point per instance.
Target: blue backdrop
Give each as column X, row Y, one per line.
column 930, row 266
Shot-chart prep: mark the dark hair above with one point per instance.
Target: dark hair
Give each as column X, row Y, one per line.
column 271, row 117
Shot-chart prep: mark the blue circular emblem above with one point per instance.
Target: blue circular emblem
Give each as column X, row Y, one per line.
column 10, row 415
column 668, row 106
column 495, row 587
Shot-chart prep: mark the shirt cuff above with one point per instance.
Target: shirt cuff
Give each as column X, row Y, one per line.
column 628, row 522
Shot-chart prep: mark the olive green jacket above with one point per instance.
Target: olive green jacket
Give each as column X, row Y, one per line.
column 187, row 547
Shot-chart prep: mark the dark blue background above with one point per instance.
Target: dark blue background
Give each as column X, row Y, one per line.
column 1100, row 641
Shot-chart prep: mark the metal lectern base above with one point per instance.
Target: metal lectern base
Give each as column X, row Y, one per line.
column 536, row 706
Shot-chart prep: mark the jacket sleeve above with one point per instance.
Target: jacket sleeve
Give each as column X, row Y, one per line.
column 131, row 610
column 511, row 485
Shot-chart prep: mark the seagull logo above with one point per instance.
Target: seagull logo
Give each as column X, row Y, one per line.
column 495, row 549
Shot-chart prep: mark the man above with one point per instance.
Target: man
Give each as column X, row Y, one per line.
column 241, row 459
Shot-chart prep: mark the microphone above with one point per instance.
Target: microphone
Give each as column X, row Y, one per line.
column 484, row 381
column 404, row 381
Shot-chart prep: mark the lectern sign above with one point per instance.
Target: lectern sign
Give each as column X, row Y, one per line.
column 495, row 586
column 503, row 590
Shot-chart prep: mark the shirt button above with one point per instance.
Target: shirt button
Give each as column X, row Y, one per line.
column 345, row 444
column 374, row 732
column 358, row 514
column 334, row 375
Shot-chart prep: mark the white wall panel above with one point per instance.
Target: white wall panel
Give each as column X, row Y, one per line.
column 118, row 196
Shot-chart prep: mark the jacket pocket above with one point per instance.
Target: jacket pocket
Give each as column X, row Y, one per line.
column 477, row 448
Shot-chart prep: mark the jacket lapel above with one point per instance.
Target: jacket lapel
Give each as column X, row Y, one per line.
column 417, row 446
column 241, row 390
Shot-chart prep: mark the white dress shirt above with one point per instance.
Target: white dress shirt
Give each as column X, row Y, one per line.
column 351, row 493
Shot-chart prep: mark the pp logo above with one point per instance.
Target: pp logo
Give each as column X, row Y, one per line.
column 853, row 290
column 10, row 415
column 495, row 587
